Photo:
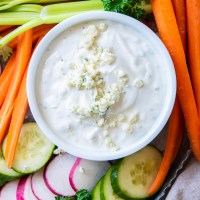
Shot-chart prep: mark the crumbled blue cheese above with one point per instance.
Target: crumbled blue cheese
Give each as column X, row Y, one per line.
column 121, row 117
column 85, row 74
column 89, row 35
column 139, row 83
column 102, row 27
column 107, row 56
column 127, row 127
column 109, row 143
column 133, row 119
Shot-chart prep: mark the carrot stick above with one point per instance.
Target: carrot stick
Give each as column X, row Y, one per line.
column 22, row 57
column 7, row 31
column 19, row 112
column 175, row 134
column 5, row 78
column 3, row 28
column 193, row 23
column 180, row 12
column 36, row 34
column 169, row 33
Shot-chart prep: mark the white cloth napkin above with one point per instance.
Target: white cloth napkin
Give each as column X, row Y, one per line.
column 187, row 185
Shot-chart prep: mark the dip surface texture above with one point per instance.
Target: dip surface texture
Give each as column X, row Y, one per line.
column 100, row 86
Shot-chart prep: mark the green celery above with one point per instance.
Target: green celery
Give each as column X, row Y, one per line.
column 48, row 15
column 5, row 4
column 33, row 23
column 17, row 18
column 25, row 8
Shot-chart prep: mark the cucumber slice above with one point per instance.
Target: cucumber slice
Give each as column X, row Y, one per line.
column 33, row 149
column 106, row 190
column 5, row 173
column 133, row 175
column 96, row 191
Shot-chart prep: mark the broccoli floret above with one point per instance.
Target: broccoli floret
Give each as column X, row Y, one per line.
column 134, row 8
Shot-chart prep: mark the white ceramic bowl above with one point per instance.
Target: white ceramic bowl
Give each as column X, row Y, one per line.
column 153, row 40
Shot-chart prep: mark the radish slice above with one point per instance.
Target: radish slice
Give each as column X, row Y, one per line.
column 24, row 191
column 28, row 194
column 8, row 192
column 39, row 188
column 21, row 188
column 86, row 173
column 56, row 175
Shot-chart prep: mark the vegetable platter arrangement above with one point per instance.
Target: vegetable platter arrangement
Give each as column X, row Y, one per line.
column 29, row 168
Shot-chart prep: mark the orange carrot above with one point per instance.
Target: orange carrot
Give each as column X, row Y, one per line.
column 180, row 12
column 43, row 27
column 193, row 23
column 36, row 34
column 169, row 33
column 22, row 57
column 5, row 78
column 7, row 31
column 19, row 112
column 4, row 27
column 175, row 133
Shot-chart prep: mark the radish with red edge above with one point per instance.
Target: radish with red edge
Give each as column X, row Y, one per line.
column 21, row 188
column 8, row 191
column 24, row 191
column 28, row 194
column 86, row 173
column 56, row 175
column 39, row 188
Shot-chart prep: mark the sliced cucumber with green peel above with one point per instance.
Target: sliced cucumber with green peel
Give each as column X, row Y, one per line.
column 5, row 173
column 106, row 190
column 133, row 175
column 33, row 149
column 96, row 191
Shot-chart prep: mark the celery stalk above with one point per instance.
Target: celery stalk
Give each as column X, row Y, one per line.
column 33, row 23
column 25, row 8
column 8, row 4
column 49, row 14
column 60, row 10
column 16, row 18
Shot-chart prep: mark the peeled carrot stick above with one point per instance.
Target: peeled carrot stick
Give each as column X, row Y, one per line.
column 19, row 112
column 22, row 57
column 7, row 31
column 193, row 23
column 6, row 77
column 169, row 33
column 180, row 12
column 43, row 27
column 36, row 34
column 175, row 134
column 3, row 28
column 18, row 115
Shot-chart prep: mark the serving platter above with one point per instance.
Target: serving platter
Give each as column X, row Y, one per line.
column 181, row 159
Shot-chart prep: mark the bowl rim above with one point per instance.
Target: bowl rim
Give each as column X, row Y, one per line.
column 92, row 16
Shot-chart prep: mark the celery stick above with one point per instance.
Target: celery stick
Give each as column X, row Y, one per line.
column 16, row 18
column 33, row 23
column 5, row 4
column 25, row 8
column 63, row 8
column 13, row 3
column 49, row 14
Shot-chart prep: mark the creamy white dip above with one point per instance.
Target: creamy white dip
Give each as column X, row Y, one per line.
column 100, row 86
